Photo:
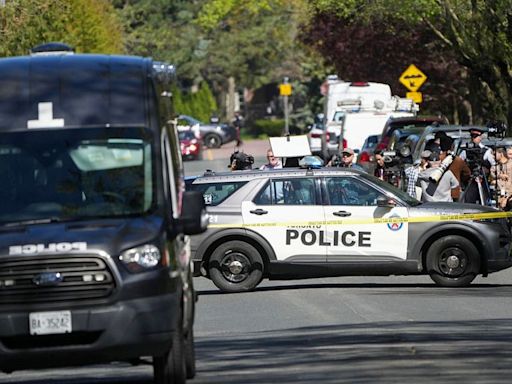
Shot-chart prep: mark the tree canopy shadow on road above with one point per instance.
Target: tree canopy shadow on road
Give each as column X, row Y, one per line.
column 504, row 290
column 384, row 352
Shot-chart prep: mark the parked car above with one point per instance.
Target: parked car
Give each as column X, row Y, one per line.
column 297, row 223
column 190, row 145
column 365, row 158
column 402, row 122
column 399, row 137
column 213, row 135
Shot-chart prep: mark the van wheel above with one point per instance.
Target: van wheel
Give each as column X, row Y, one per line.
column 170, row 368
column 236, row 266
column 190, row 351
column 453, row 261
column 190, row 354
column 212, row 140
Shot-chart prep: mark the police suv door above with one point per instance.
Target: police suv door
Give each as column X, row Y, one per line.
column 352, row 217
column 288, row 214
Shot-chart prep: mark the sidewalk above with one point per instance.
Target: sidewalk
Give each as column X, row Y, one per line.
column 257, row 148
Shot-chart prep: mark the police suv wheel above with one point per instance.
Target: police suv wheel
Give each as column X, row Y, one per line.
column 236, row 266
column 453, row 261
column 212, row 141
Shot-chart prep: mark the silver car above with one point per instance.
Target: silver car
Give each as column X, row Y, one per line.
column 301, row 223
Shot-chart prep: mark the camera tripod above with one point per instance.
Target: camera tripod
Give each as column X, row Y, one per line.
column 477, row 191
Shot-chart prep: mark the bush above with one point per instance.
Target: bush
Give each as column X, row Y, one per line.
column 200, row 105
column 271, row 128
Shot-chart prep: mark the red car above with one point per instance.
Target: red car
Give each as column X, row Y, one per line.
column 190, row 146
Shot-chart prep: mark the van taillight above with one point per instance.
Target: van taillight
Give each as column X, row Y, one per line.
column 344, row 143
column 359, row 84
column 364, row 157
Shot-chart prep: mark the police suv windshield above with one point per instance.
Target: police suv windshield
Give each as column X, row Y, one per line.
column 75, row 174
column 405, row 197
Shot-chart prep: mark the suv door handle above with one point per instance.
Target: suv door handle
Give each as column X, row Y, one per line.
column 259, row 211
column 342, row 213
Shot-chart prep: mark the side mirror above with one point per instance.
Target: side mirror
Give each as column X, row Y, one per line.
column 385, row 202
column 193, row 214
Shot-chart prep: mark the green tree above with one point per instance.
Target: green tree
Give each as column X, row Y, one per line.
column 87, row 25
column 476, row 34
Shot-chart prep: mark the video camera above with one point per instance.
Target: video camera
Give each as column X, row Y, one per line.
column 496, row 129
column 240, row 161
column 394, row 163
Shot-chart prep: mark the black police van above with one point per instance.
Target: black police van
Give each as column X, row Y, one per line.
column 94, row 253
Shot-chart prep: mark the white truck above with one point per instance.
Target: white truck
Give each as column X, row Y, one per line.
column 356, row 110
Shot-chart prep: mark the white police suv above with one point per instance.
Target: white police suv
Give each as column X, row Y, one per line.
column 300, row 223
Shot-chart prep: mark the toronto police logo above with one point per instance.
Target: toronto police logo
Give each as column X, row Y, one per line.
column 395, row 226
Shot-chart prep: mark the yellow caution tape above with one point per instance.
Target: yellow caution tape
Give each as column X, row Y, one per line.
column 381, row 220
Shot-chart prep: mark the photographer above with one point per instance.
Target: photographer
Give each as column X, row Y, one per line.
column 458, row 166
column 437, row 181
column 240, row 161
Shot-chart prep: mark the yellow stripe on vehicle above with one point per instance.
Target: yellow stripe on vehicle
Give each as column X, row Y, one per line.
column 380, row 220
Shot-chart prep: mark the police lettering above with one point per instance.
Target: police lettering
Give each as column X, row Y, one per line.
column 347, row 238
column 28, row 249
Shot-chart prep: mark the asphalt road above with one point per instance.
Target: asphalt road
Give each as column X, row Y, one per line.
column 338, row 330
column 218, row 159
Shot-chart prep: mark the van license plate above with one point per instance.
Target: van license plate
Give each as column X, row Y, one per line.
column 47, row 323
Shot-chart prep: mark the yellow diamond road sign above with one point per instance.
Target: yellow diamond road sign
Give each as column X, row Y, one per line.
column 413, row 78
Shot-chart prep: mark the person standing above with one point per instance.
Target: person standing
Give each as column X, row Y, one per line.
column 437, row 191
column 237, row 123
column 380, row 165
column 272, row 161
column 480, row 160
column 501, row 175
column 412, row 174
column 346, row 161
column 458, row 166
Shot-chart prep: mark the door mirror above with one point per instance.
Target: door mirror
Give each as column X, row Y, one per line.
column 194, row 218
column 387, row 202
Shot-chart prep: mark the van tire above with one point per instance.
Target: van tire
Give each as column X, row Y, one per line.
column 453, row 261
column 190, row 354
column 236, row 266
column 171, row 367
column 211, row 140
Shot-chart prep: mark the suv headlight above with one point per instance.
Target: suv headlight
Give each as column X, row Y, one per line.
column 141, row 258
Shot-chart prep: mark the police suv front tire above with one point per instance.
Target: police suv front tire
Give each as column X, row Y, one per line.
column 453, row 261
column 236, row 266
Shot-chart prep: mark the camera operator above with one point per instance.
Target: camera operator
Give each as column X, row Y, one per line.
column 486, row 156
column 458, row 166
column 240, row 161
column 437, row 181
column 480, row 159
column 501, row 176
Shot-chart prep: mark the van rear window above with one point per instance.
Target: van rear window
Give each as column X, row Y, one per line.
column 216, row 193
